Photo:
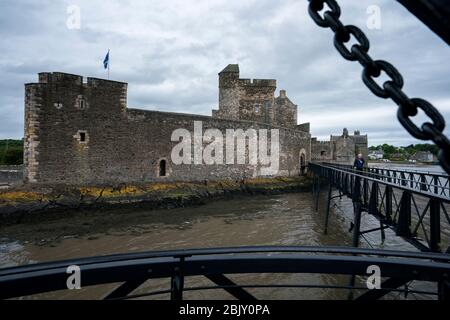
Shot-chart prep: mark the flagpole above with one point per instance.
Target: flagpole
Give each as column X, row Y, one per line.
column 109, row 62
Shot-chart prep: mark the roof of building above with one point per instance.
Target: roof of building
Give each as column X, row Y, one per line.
column 356, row 139
column 231, row 68
column 422, row 152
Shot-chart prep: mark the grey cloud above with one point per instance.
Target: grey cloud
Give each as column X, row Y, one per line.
column 171, row 51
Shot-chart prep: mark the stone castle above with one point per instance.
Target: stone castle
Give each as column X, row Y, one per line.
column 82, row 132
column 340, row 149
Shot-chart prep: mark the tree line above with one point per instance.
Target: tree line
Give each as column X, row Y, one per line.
column 11, row 152
column 404, row 152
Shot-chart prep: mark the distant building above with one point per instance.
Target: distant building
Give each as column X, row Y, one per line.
column 376, row 154
column 340, row 149
column 397, row 156
column 424, row 156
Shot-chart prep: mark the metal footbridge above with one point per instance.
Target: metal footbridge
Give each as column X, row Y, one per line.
column 413, row 204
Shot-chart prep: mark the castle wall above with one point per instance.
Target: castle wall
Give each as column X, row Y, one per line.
column 344, row 150
column 82, row 133
column 341, row 149
column 256, row 100
column 286, row 112
column 321, row 150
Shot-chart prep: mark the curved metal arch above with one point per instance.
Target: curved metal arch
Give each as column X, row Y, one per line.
column 137, row 268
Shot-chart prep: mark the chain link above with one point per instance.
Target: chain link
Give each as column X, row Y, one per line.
column 390, row 89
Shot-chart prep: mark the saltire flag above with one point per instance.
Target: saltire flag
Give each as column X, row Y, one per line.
column 106, row 61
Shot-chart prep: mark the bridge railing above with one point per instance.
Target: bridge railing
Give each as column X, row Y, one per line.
column 133, row 269
column 418, row 216
column 435, row 183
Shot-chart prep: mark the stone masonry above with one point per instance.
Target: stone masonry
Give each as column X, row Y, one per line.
column 82, row 132
column 340, row 149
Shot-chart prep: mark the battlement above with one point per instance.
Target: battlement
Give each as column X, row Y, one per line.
column 98, row 82
column 58, row 92
column 49, row 77
column 229, row 77
column 62, row 77
column 258, row 82
column 319, row 142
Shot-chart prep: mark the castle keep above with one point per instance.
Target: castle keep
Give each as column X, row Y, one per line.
column 341, row 149
column 82, row 132
column 253, row 100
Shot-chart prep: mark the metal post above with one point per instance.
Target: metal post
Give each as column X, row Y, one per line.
column 383, row 234
column 177, row 282
column 365, row 191
column 444, row 289
column 435, row 225
column 356, row 233
column 435, row 181
column 373, row 202
column 345, row 186
column 423, row 182
column 317, row 193
column 330, row 190
column 403, row 177
column 356, row 191
column 388, row 203
column 356, row 223
column 404, row 216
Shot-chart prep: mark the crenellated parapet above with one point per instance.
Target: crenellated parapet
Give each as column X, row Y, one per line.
column 261, row 83
column 64, row 91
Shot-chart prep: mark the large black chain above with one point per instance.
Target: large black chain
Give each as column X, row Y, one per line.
column 391, row 89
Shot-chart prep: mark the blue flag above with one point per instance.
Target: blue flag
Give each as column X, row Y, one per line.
column 106, row 61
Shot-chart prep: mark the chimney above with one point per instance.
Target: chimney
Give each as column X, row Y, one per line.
column 283, row 94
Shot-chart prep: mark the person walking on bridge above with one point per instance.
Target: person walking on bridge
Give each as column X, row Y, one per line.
column 359, row 162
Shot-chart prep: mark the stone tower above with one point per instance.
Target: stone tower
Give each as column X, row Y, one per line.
column 253, row 100
column 62, row 114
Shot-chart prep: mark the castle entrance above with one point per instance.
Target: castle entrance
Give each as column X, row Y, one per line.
column 302, row 162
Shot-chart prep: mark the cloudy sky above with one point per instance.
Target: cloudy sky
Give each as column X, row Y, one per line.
column 171, row 51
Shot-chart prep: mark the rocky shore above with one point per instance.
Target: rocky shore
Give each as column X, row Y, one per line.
column 31, row 203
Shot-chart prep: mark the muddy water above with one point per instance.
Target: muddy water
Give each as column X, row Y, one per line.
column 287, row 219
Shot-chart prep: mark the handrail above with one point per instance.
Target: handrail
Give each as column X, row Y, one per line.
column 422, row 181
column 431, row 173
column 227, row 250
column 215, row 262
column 361, row 175
column 394, row 205
column 370, row 170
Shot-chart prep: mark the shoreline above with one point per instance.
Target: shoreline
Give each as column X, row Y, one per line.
column 395, row 162
column 29, row 203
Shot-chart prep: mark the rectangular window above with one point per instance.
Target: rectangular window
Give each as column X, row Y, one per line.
column 266, row 111
column 82, row 136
